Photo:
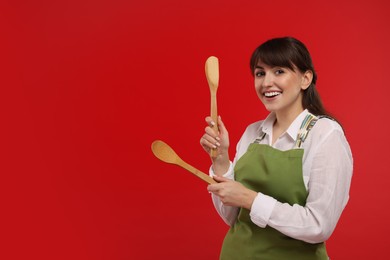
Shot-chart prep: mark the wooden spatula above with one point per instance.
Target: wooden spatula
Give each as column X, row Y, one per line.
column 166, row 154
column 212, row 75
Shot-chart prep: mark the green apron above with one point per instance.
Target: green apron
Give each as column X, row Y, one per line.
column 278, row 174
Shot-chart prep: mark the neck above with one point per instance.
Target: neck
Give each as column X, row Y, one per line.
column 284, row 119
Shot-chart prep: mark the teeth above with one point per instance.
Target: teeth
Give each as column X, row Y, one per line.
column 271, row 94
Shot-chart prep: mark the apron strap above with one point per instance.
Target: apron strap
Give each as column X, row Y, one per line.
column 306, row 126
column 260, row 137
column 308, row 122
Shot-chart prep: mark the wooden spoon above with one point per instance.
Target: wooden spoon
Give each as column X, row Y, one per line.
column 166, row 154
column 212, row 75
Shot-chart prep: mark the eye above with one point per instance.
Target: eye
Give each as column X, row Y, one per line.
column 279, row 71
column 259, row 73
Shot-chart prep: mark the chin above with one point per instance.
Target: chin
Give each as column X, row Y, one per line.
column 270, row 108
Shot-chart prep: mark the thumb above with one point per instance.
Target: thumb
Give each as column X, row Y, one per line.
column 220, row 178
column 221, row 126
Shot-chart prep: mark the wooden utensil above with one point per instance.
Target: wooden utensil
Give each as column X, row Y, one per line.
column 166, row 154
column 212, row 75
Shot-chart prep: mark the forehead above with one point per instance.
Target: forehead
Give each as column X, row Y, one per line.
column 262, row 65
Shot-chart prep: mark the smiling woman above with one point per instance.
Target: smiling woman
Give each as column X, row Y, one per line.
column 86, row 86
column 292, row 56
column 279, row 88
column 285, row 190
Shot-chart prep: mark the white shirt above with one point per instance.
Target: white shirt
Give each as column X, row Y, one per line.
column 327, row 171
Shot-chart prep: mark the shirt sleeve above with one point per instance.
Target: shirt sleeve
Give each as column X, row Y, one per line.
column 227, row 213
column 328, row 187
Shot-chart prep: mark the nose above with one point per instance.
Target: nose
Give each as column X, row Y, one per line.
column 267, row 81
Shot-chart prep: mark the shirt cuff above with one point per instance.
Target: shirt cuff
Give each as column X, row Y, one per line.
column 229, row 174
column 261, row 209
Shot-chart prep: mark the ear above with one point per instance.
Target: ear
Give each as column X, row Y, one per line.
column 307, row 77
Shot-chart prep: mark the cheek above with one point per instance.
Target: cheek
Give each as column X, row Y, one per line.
column 258, row 90
column 291, row 84
column 257, row 83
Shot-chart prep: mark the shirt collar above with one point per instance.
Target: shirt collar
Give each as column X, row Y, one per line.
column 292, row 130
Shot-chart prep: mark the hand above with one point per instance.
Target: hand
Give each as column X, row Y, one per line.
column 220, row 142
column 232, row 193
column 212, row 140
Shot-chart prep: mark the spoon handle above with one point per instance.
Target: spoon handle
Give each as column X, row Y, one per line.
column 214, row 116
column 196, row 172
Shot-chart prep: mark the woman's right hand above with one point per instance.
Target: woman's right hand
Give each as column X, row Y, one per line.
column 219, row 141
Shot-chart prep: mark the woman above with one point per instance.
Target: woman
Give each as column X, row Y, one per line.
column 288, row 184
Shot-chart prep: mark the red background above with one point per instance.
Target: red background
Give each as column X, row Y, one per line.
column 86, row 86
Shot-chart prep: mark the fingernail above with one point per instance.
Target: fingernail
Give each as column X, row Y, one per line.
column 212, row 123
column 217, row 138
column 217, row 144
column 214, row 147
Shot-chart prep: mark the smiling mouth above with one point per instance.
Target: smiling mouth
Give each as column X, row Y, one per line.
column 272, row 94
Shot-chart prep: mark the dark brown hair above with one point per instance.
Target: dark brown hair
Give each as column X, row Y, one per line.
column 290, row 53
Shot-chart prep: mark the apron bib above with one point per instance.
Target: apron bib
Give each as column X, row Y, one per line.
column 278, row 174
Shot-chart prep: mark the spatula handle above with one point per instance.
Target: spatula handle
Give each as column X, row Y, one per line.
column 214, row 116
column 212, row 75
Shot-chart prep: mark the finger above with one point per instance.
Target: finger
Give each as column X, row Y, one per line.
column 210, row 131
column 220, row 178
column 210, row 122
column 221, row 126
column 212, row 188
column 204, row 145
column 209, row 142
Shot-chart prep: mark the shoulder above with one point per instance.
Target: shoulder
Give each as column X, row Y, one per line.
column 327, row 125
column 327, row 139
column 254, row 128
column 326, row 129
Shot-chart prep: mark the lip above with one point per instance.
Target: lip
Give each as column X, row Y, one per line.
column 271, row 91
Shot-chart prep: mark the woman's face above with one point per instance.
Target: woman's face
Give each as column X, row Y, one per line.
column 280, row 88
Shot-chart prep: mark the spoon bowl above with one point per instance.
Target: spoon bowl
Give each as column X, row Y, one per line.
column 166, row 154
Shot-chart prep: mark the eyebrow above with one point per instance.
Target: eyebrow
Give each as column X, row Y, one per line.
column 258, row 67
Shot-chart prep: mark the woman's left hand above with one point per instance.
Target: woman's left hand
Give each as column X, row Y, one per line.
column 232, row 193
